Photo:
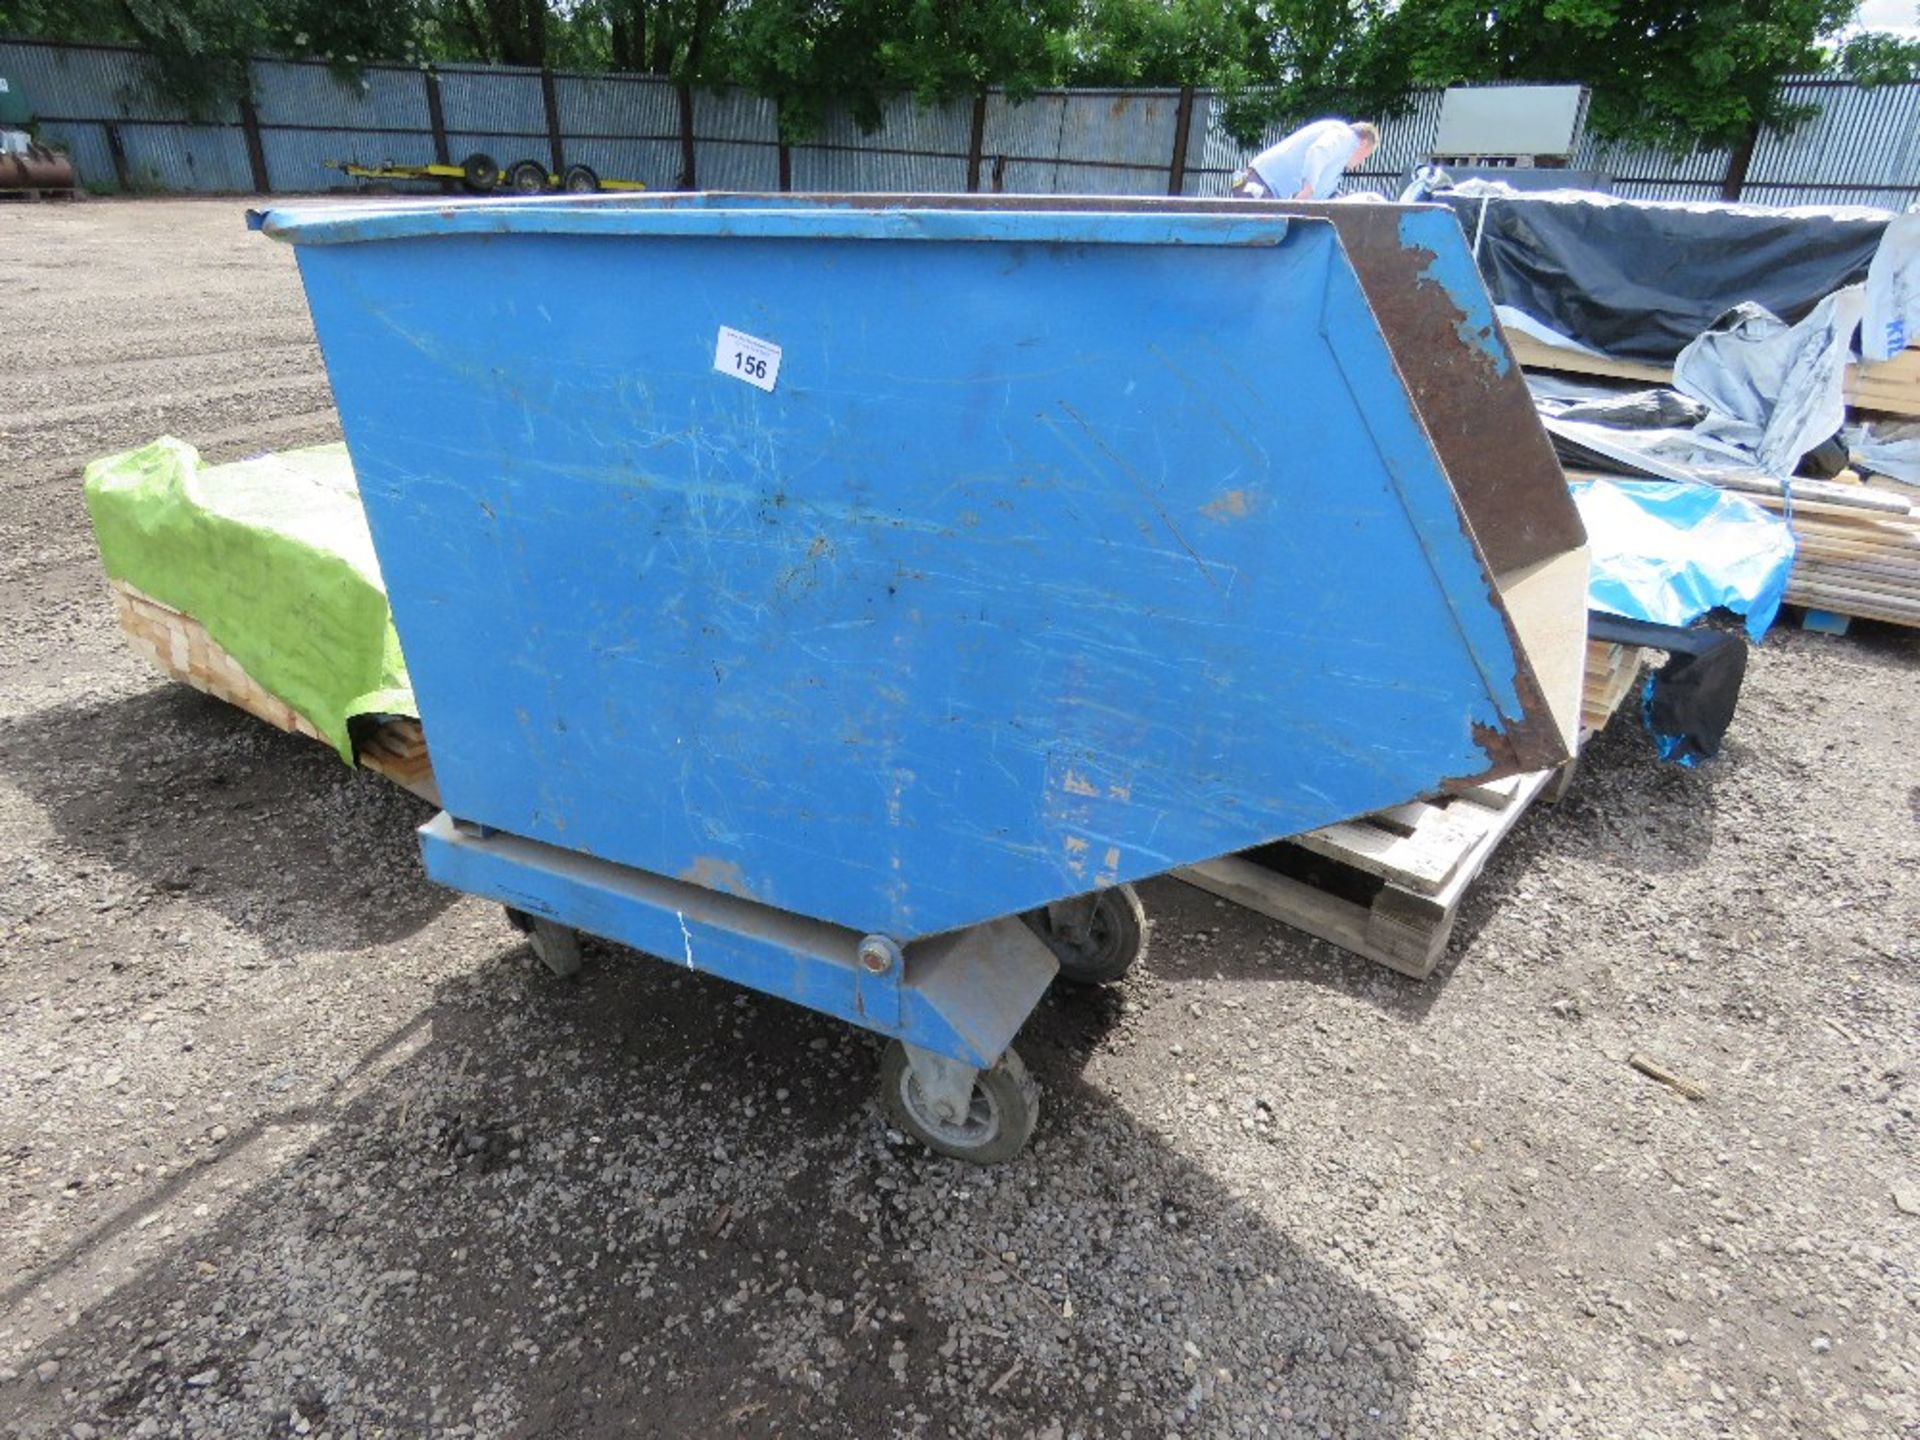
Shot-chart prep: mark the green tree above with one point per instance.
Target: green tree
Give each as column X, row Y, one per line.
column 1877, row 58
column 1679, row 75
column 811, row 55
column 1284, row 60
column 200, row 47
column 658, row 37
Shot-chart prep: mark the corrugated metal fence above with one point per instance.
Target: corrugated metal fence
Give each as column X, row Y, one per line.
column 100, row 102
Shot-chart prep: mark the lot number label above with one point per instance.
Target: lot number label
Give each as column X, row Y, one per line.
column 755, row 361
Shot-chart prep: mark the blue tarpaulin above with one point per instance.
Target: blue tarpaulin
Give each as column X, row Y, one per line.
column 1670, row 553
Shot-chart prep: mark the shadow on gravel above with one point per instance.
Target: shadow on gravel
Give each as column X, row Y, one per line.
column 647, row 1203
column 197, row 799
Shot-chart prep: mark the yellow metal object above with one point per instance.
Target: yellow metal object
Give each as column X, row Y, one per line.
column 437, row 171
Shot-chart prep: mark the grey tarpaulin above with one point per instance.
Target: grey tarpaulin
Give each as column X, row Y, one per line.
column 1639, row 279
column 1887, row 447
column 1774, row 389
column 1752, row 393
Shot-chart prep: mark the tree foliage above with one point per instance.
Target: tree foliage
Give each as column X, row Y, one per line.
column 1877, row 58
column 1682, row 73
column 1676, row 74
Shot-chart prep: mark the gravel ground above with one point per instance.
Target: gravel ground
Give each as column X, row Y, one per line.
column 293, row 1143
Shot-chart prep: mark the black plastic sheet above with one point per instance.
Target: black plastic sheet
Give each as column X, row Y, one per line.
column 1637, row 280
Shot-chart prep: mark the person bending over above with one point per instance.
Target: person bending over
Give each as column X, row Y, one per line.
column 1309, row 163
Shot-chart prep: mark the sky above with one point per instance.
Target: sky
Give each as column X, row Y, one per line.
column 1896, row 15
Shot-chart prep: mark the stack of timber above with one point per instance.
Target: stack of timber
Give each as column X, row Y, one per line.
column 1859, row 550
column 1389, row 885
column 1613, row 671
column 1889, row 388
column 393, row 746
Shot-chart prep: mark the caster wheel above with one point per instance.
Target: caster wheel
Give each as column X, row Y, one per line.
column 478, row 173
column 1108, row 942
column 556, row 946
column 999, row 1120
column 580, row 180
column 527, row 177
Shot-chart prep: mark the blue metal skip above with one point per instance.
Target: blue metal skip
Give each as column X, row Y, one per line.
column 1068, row 546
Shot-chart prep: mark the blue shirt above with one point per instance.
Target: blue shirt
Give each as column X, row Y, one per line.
column 1315, row 155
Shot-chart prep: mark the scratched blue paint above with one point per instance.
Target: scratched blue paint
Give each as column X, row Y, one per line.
column 1047, row 563
column 1435, row 231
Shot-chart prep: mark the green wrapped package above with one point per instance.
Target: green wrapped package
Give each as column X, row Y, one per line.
column 272, row 557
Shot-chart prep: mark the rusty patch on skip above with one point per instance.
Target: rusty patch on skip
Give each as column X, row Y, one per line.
column 1077, row 784
column 712, row 873
column 1230, row 506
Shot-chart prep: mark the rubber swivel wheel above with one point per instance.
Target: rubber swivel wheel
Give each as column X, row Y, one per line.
column 1000, row 1116
column 555, row 946
column 478, row 172
column 580, row 180
column 1115, row 939
column 527, row 177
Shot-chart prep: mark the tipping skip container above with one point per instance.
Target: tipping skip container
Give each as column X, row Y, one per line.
column 807, row 589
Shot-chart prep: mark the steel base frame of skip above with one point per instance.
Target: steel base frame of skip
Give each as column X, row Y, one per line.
column 833, row 594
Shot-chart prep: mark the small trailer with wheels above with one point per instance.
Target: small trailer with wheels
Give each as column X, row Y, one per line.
column 868, row 589
column 478, row 174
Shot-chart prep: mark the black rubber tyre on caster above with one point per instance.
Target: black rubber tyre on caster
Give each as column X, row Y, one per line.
column 999, row 1120
column 527, row 177
column 556, row 946
column 580, row 180
column 1115, row 940
column 478, row 172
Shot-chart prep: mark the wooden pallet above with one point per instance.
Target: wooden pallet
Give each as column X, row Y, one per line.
column 1889, row 388
column 393, row 746
column 1389, row 886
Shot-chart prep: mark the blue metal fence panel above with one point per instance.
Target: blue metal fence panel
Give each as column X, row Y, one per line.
column 297, row 160
column 1862, row 148
column 1020, row 177
column 1640, row 173
column 905, row 125
column 1079, row 142
column 914, row 147
column 505, row 149
column 492, row 100
column 1070, row 178
column 731, row 116
column 616, row 105
column 1202, row 178
column 86, row 145
column 90, row 83
column 193, row 159
column 724, row 165
column 1121, row 127
column 654, row 163
column 1862, row 142
column 285, row 93
column 1827, row 196
column 1028, row 130
column 835, row 170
